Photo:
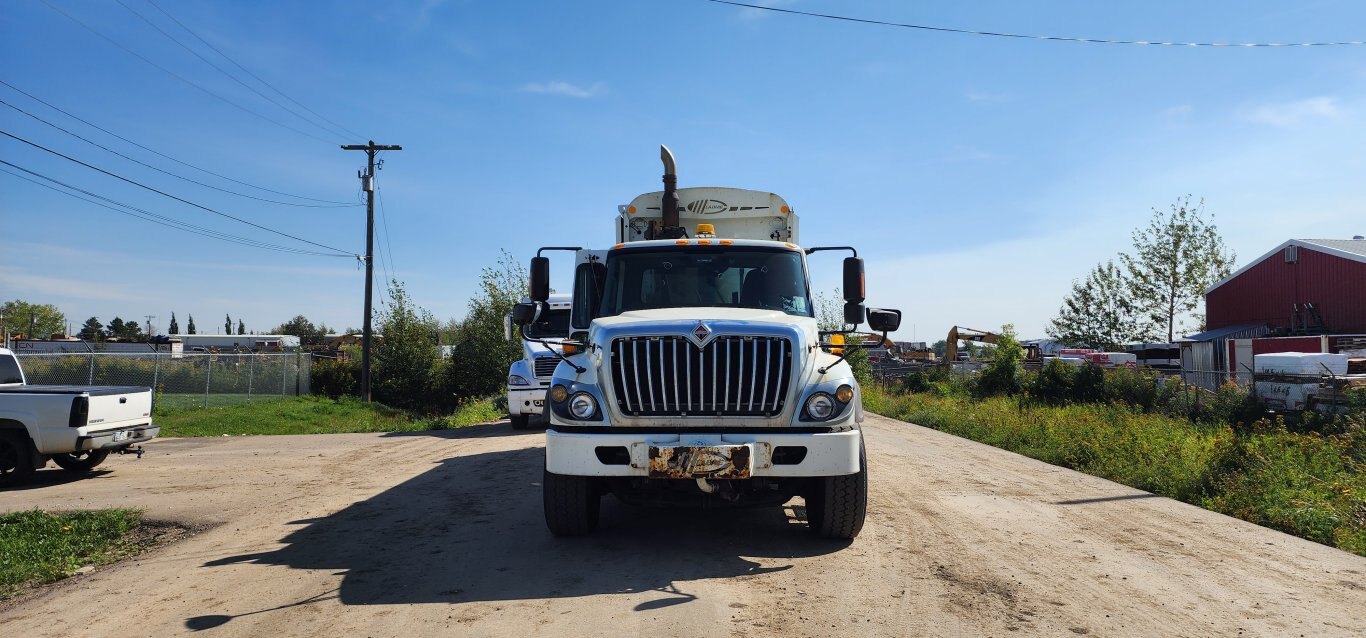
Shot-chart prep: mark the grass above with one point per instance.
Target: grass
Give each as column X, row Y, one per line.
column 38, row 548
column 1306, row 484
column 313, row 415
column 293, row 415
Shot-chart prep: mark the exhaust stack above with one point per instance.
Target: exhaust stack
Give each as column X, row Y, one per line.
column 669, row 204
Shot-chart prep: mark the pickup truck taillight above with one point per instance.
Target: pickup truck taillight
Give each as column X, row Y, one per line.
column 80, row 411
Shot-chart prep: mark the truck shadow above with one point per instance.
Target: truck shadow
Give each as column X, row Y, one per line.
column 471, row 529
column 53, row 476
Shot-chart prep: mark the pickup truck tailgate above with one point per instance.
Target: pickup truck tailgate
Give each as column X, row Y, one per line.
column 112, row 407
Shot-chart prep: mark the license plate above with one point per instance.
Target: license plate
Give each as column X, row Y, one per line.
column 122, row 435
column 700, row 461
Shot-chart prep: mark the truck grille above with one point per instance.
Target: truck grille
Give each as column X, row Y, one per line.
column 731, row 376
column 545, row 366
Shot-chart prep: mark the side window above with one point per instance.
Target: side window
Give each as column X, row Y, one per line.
column 9, row 370
column 588, row 282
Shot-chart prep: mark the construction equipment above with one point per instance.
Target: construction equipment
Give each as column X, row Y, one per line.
column 1032, row 352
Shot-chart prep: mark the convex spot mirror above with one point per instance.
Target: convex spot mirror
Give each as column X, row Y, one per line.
column 884, row 319
column 525, row 313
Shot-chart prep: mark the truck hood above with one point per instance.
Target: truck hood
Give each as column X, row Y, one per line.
column 693, row 315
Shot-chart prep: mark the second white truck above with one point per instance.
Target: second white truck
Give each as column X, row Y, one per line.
column 529, row 377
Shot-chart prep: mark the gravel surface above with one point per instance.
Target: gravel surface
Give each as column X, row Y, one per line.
column 441, row 532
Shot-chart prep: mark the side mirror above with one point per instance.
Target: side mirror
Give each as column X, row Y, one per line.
column 853, row 285
column 884, row 319
column 853, row 313
column 540, row 278
column 525, row 313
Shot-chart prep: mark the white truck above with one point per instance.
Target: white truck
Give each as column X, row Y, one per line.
column 695, row 372
column 529, row 377
column 74, row 426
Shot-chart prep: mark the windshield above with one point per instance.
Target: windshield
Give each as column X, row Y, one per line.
column 732, row 277
column 553, row 324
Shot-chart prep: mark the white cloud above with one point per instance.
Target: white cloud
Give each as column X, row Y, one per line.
column 563, row 88
column 1295, row 112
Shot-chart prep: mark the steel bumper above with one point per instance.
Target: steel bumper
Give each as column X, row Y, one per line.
column 827, row 453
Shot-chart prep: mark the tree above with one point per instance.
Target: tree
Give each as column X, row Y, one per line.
column 115, row 329
column 1002, row 375
column 939, row 347
column 190, row 326
column 481, row 356
column 92, row 330
column 241, row 327
column 407, row 357
column 1177, row 257
column 1100, row 313
column 301, row 327
column 36, row 321
column 132, row 332
column 175, row 327
column 227, row 324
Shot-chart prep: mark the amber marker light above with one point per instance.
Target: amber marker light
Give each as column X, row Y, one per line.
column 559, row 393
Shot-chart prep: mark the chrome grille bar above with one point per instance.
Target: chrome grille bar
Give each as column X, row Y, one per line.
column 752, row 370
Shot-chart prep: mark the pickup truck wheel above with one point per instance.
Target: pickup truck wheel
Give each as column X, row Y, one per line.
column 837, row 505
column 83, row 461
column 16, row 464
column 571, row 504
column 519, row 421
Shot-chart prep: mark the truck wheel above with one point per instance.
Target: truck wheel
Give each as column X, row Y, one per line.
column 571, row 504
column 519, row 421
column 16, row 464
column 83, row 461
column 837, row 505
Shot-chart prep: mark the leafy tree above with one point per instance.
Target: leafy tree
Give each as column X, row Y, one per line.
column 1177, row 256
column 116, row 328
column 92, row 330
column 480, row 360
column 175, row 326
column 1101, row 313
column 939, row 347
column 37, row 321
column 227, row 324
column 190, row 326
column 301, row 327
column 241, row 327
column 406, row 359
column 132, row 332
column 1003, row 374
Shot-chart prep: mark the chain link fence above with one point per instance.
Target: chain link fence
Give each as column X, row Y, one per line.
column 180, row 380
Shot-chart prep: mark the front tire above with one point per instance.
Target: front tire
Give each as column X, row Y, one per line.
column 82, row 461
column 16, row 461
column 838, row 505
column 571, row 504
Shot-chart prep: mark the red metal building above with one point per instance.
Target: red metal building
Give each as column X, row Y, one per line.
column 1303, row 286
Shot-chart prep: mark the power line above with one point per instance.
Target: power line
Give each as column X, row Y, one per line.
column 166, row 172
column 182, row 78
column 248, row 72
column 165, row 194
column 1054, row 38
column 159, row 153
column 147, row 215
column 224, row 72
column 384, row 222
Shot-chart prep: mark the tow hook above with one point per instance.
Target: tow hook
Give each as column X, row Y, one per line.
column 706, row 486
column 130, row 450
column 723, row 489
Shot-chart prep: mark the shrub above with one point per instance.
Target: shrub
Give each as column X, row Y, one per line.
column 1052, row 385
column 1002, row 375
column 335, row 378
column 1132, row 387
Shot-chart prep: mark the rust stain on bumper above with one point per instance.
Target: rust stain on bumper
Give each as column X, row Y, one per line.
column 694, row 462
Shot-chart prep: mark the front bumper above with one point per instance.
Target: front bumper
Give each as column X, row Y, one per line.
column 106, row 440
column 529, row 401
column 826, row 453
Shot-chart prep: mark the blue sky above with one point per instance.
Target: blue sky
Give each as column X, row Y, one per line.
column 978, row 176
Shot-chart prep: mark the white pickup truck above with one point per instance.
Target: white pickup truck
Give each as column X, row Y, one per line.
column 74, row 426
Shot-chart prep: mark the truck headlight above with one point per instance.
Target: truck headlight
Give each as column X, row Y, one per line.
column 582, row 405
column 820, row 406
column 517, row 379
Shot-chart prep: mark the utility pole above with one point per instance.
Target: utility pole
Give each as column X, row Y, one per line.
column 150, row 334
column 367, row 180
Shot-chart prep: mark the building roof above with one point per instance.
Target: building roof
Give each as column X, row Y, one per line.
column 1351, row 249
column 1225, row 332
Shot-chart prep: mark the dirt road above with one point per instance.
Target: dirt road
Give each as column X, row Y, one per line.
column 441, row 532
